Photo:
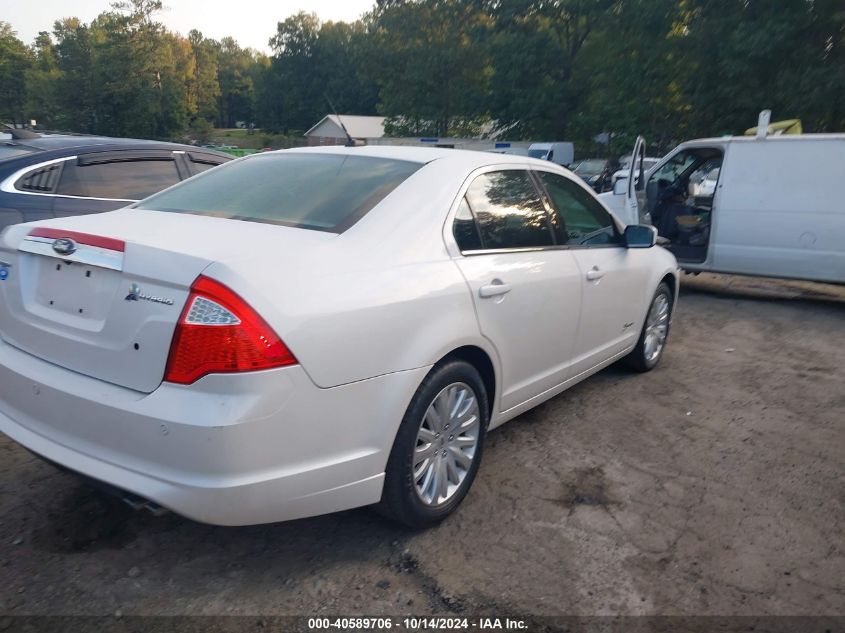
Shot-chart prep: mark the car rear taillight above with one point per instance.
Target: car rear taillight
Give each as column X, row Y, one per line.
column 218, row 332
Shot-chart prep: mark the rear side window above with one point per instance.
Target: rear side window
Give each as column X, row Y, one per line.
column 465, row 229
column 508, row 210
column 198, row 168
column 327, row 192
column 200, row 162
column 123, row 180
column 583, row 221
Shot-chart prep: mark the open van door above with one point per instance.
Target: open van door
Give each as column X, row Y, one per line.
column 636, row 183
column 624, row 199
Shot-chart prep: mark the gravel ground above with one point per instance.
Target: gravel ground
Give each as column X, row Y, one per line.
column 711, row 486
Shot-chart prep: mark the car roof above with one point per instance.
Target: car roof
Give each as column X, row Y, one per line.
column 48, row 142
column 461, row 158
column 786, row 138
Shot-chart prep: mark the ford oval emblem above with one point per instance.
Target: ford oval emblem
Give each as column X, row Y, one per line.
column 64, row 246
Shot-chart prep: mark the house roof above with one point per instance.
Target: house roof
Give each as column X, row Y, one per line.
column 357, row 126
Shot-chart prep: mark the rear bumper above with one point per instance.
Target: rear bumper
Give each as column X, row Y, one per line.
column 228, row 450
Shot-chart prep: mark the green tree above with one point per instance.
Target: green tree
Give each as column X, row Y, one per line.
column 75, row 83
column 536, row 49
column 204, row 82
column 312, row 64
column 236, row 81
column 15, row 60
column 432, row 73
column 747, row 55
column 42, row 80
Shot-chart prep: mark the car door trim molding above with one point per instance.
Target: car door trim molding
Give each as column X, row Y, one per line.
column 531, row 249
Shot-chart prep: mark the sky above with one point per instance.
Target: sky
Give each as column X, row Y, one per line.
column 251, row 22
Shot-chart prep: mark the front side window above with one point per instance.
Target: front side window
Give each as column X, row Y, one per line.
column 327, row 192
column 585, row 222
column 509, row 211
column 119, row 180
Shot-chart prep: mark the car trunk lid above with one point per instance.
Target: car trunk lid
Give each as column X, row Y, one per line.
column 101, row 295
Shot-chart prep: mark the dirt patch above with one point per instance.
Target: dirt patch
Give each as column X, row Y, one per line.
column 588, row 488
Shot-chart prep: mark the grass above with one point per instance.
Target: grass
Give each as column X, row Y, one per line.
column 257, row 140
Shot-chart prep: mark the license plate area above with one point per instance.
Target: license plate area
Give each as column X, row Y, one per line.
column 72, row 288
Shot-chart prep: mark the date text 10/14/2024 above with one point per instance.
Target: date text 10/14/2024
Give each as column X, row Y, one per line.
column 417, row 624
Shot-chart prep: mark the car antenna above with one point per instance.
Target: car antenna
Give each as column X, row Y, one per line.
column 350, row 142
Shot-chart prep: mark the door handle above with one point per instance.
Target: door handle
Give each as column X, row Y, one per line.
column 495, row 289
column 595, row 274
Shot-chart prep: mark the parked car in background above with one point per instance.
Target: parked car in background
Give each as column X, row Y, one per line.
column 279, row 337
column 46, row 176
column 707, row 186
column 625, row 166
column 596, row 172
column 511, row 151
column 561, row 153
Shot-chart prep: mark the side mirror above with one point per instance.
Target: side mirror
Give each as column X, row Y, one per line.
column 640, row 236
column 620, row 187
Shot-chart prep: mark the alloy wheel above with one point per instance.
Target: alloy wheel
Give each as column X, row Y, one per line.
column 657, row 327
column 446, row 444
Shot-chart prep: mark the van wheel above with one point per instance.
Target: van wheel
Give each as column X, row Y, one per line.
column 437, row 451
column 652, row 342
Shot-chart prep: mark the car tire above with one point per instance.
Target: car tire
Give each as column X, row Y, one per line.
column 431, row 466
column 655, row 333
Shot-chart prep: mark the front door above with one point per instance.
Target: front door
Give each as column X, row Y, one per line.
column 612, row 276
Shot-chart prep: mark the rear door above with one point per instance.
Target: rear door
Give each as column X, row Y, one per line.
column 613, row 278
column 104, row 181
column 526, row 290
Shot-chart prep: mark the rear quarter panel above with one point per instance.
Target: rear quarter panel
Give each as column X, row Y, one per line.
column 349, row 326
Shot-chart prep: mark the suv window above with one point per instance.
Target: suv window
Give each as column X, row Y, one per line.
column 123, row 180
column 584, row 221
column 509, row 211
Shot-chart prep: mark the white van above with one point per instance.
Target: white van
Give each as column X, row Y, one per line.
column 560, row 153
column 766, row 205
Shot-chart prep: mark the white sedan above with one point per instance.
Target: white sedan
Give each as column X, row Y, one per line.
column 306, row 331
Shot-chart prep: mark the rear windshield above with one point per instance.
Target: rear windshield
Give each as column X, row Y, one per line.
column 326, row 192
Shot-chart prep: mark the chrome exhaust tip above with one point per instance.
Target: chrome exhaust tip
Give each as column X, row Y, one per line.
column 139, row 503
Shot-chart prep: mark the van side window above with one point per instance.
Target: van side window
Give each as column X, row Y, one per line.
column 585, row 222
